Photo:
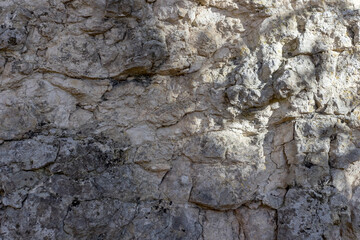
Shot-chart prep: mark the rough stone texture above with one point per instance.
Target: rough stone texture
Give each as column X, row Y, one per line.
column 180, row 119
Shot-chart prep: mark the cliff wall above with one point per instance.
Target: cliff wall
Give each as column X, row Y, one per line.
column 180, row 119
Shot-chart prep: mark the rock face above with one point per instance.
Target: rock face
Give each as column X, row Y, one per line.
column 180, row 119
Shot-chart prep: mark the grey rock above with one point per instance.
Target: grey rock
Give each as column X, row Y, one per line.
column 222, row 187
column 154, row 157
column 38, row 209
column 98, row 218
column 162, row 220
column 29, row 154
column 220, row 225
column 257, row 223
column 286, row 84
column 305, row 215
column 177, row 183
column 12, row 39
column 343, row 152
column 70, row 51
column 129, row 183
column 17, row 121
column 169, row 119
column 79, row 158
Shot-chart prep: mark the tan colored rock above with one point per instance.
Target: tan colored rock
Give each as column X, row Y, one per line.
column 179, row 119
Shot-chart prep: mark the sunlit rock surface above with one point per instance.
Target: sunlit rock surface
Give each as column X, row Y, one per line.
column 180, row 119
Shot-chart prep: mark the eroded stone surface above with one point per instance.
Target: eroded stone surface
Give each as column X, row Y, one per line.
column 180, row 119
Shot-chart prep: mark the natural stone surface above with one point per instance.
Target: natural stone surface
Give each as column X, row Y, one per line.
column 305, row 215
column 179, row 119
column 257, row 223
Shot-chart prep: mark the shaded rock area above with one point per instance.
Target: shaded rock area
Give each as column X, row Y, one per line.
column 180, row 119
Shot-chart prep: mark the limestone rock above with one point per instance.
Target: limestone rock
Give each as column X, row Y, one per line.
column 305, row 215
column 220, row 225
column 257, row 223
column 179, row 119
column 29, row 154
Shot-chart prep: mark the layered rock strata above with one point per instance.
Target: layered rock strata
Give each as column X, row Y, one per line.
column 179, row 119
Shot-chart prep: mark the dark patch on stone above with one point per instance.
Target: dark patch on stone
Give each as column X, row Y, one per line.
column 289, row 48
column 333, row 137
column 12, row 41
column 75, row 202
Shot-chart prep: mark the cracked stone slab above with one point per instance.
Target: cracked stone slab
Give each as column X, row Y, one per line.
column 29, row 154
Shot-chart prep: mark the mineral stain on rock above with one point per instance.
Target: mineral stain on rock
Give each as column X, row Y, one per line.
column 179, row 119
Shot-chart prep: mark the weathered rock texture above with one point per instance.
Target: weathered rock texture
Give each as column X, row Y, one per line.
column 180, row 119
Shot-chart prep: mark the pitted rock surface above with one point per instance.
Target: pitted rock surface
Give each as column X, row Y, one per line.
column 180, row 119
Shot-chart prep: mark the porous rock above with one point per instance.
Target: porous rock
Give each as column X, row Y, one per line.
column 179, row 119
